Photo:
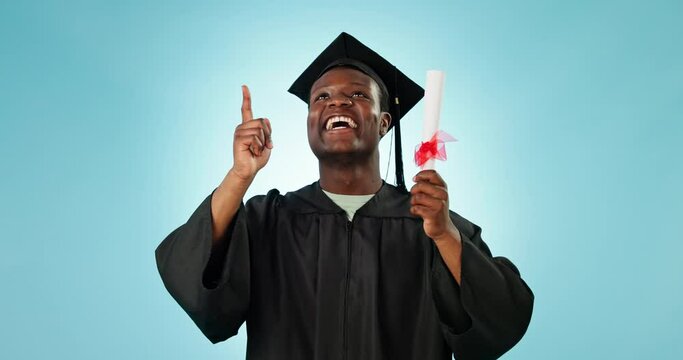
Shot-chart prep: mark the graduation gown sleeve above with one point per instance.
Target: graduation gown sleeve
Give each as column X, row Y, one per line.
column 211, row 286
column 489, row 312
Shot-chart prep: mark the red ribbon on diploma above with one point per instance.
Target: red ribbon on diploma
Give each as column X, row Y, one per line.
column 432, row 149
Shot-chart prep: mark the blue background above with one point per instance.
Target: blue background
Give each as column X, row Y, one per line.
column 117, row 119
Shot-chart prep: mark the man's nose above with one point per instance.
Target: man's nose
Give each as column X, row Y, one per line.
column 340, row 100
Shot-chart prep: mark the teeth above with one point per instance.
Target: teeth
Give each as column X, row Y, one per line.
column 345, row 119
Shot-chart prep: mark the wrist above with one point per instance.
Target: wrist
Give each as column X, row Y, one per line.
column 451, row 235
column 234, row 184
column 237, row 177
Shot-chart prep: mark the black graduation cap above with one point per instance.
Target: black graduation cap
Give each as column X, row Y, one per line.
column 345, row 50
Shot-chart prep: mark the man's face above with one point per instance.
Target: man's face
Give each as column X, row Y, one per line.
column 344, row 116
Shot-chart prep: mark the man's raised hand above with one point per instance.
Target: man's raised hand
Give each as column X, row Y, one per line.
column 252, row 142
column 429, row 200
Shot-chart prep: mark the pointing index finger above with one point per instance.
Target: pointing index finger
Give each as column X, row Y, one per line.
column 246, row 104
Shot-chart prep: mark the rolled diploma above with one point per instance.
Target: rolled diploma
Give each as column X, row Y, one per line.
column 433, row 92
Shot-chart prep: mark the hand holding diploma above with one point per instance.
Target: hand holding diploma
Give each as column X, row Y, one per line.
column 429, row 200
column 429, row 196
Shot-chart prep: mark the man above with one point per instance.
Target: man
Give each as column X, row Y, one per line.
column 348, row 267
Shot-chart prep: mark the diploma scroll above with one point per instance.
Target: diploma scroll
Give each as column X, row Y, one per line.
column 433, row 139
column 433, row 95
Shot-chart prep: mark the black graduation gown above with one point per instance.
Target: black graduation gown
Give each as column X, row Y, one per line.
column 313, row 285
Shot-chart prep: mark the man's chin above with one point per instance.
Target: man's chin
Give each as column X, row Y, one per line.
column 341, row 154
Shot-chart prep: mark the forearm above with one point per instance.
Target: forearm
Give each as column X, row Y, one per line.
column 225, row 202
column 450, row 248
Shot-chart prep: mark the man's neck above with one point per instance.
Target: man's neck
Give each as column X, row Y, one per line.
column 350, row 178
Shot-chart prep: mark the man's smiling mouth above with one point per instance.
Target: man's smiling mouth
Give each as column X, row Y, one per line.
column 340, row 122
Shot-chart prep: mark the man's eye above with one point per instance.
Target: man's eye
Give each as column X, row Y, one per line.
column 321, row 97
column 359, row 94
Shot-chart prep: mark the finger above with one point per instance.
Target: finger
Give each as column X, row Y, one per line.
column 430, row 176
column 428, row 201
column 256, row 146
column 435, row 191
column 245, row 136
column 246, row 104
column 269, row 139
column 262, row 123
column 265, row 126
column 251, row 131
column 253, row 128
column 420, row 211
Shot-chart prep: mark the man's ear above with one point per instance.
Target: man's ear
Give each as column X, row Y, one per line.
column 385, row 122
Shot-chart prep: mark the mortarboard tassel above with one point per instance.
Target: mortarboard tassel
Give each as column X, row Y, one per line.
column 400, row 182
